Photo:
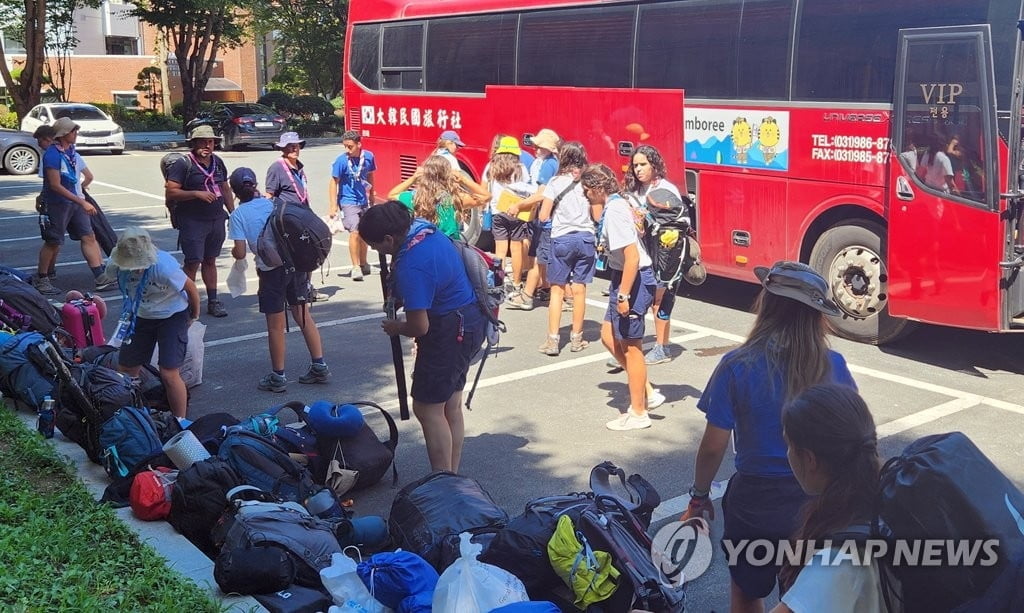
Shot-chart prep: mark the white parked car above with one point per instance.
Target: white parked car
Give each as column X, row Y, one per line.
column 97, row 130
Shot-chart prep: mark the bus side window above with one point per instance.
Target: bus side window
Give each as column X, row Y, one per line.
column 402, row 57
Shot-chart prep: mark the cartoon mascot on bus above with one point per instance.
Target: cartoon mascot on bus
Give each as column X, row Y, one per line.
column 768, row 136
column 742, row 137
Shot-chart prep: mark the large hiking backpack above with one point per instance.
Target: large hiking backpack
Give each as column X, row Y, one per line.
column 668, row 230
column 294, row 237
column 199, row 498
column 165, row 165
column 364, row 453
column 127, row 440
column 263, row 464
column 22, row 376
column 89, row 396
column 22, row 307
column 943, row 487
column 150, row 385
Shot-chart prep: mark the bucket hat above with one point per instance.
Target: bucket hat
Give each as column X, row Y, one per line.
column 799, row 282
column 453, row 136
column 546, row 139
column 202, row 132
column 508, row 144
column 64, row 126
column 134, row 250
column 289, row 138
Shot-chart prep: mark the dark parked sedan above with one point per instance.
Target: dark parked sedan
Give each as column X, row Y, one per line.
column 19, row 153
column 242, row 123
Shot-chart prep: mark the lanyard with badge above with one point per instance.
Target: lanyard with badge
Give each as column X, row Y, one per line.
column 300, row 192
column 209, row 178
column 357, row 172
column 129, row 310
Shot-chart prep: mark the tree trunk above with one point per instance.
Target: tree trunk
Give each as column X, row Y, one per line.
column 25, row 92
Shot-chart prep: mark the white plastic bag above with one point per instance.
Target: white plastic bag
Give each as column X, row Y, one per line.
column 236, row 278
column 470, row 586
column 192, row 368
column 334, row 224
column 347, row 590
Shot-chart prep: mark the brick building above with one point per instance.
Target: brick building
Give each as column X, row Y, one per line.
column 114, row 46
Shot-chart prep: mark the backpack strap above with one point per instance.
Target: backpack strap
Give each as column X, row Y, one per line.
column 562, row 194
column 392, row 442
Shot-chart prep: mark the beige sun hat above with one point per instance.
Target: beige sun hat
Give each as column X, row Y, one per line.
column 546, row 139
column 64, row 126
column 203, row 132
column 134, row 250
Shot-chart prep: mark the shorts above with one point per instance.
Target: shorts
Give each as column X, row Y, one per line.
column 350, row 215
column 540, row 245
column 573, row 258
column 759, row 507
column 442, row 361
column 170, row 334
column 200, row 239
column 507, row 228
column 641, row 297
column 278, row 288
column 64, row 216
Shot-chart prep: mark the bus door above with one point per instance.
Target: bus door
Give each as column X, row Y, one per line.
column 946, row 236
column 610, row 122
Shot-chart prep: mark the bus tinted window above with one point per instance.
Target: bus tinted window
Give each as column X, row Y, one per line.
column 690, row 45
column 764, row 49
column 402, row 57
column 846, row 51
column 363, row 55
column 582, row 48
column 467, row 53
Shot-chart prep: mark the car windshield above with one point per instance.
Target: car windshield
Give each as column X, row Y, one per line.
column 250, row 109
column 78, row 112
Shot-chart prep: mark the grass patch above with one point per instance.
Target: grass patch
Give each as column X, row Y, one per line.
column 60, row 550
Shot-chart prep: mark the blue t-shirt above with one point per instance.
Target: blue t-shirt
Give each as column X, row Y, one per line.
column 430, row 275
column 351, row 175
column 247, row 222
column 164, row 294
column 747, row 398
column 55, row 158
column 525, row 158
column 541, row 170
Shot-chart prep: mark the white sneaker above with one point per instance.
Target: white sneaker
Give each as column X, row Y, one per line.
column 655, row 399
column 629, row 421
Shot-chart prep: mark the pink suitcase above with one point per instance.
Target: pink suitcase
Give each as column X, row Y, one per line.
column 81, row 318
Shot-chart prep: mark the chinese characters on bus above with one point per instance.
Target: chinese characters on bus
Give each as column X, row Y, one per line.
column 442, row 119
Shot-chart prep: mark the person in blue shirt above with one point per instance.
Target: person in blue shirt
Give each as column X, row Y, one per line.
column 785, row 353
column 64, row 209
column 160, row 302
column 429, row 278
column 350, row 192
column 277, row 287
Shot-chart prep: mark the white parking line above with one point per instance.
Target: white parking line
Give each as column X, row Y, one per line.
column 106, row 209
column 130, row 190
column 151, row 226
column 319, row 325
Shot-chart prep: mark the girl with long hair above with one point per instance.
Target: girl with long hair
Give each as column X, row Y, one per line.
column 506, row 176
column 833, row 450
column 631, row 292
column 442, row 196
column 785, row 353
column 646, row 173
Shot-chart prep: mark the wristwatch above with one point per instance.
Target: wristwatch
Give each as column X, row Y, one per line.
column 696, row 493
column 623, row 298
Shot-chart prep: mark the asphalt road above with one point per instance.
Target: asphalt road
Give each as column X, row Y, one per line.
column 537, row 426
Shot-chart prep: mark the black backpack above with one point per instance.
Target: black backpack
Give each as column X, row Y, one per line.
column 199, row 498
column 22, row 307
column 262, row 464
column 151, row 386
column 89, row 396
column 294, row 237
column 363, row 453
column 165, row 165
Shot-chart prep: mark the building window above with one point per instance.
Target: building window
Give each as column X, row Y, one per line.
column 122, row 45
column 126, row 99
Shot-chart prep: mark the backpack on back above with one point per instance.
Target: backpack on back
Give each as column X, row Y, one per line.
column 22, row 307
column 294, row 237
column 20, row 375
column 667, row 233
column 264, row 465
column 165, row 165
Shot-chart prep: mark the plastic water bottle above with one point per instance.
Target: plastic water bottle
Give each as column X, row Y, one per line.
column 46, row 418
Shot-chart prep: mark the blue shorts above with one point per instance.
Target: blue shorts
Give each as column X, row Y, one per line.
column 641, row 297
column 760, row 507
column 543, row 246
column 278, row 288
column 200, row 239
column 442, row 360
column 573, row 258
column 170, row 334
column 64, row 216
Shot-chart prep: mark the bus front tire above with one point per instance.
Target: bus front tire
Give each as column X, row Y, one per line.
column 851, row 259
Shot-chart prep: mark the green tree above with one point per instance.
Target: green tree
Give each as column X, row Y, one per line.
column 30, row 15
column 149, row 85
column 196, row 30
column 297, row 23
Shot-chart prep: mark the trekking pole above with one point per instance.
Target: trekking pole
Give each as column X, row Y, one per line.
column 396, row 345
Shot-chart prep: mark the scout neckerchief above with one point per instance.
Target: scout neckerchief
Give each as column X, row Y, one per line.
column 68, row 156
column 130, row 306
column 292, row 173
column 209, row 180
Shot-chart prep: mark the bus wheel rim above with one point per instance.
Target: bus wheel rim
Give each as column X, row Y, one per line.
column 858, row 280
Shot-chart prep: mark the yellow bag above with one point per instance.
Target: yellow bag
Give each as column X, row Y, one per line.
column 506, row 199
column 589, row 574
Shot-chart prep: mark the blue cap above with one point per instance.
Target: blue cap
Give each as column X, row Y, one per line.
column 335, row 421
column 453, row 136
column 240, row 177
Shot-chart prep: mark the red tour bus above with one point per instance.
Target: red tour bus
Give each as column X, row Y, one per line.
column 878, row 141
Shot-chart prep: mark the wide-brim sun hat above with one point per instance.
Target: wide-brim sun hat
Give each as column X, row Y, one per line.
column 64, row 126
column 798, row 282
column 546, row 139
column 134, row 250
column 289, row 138
column 203, row 132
